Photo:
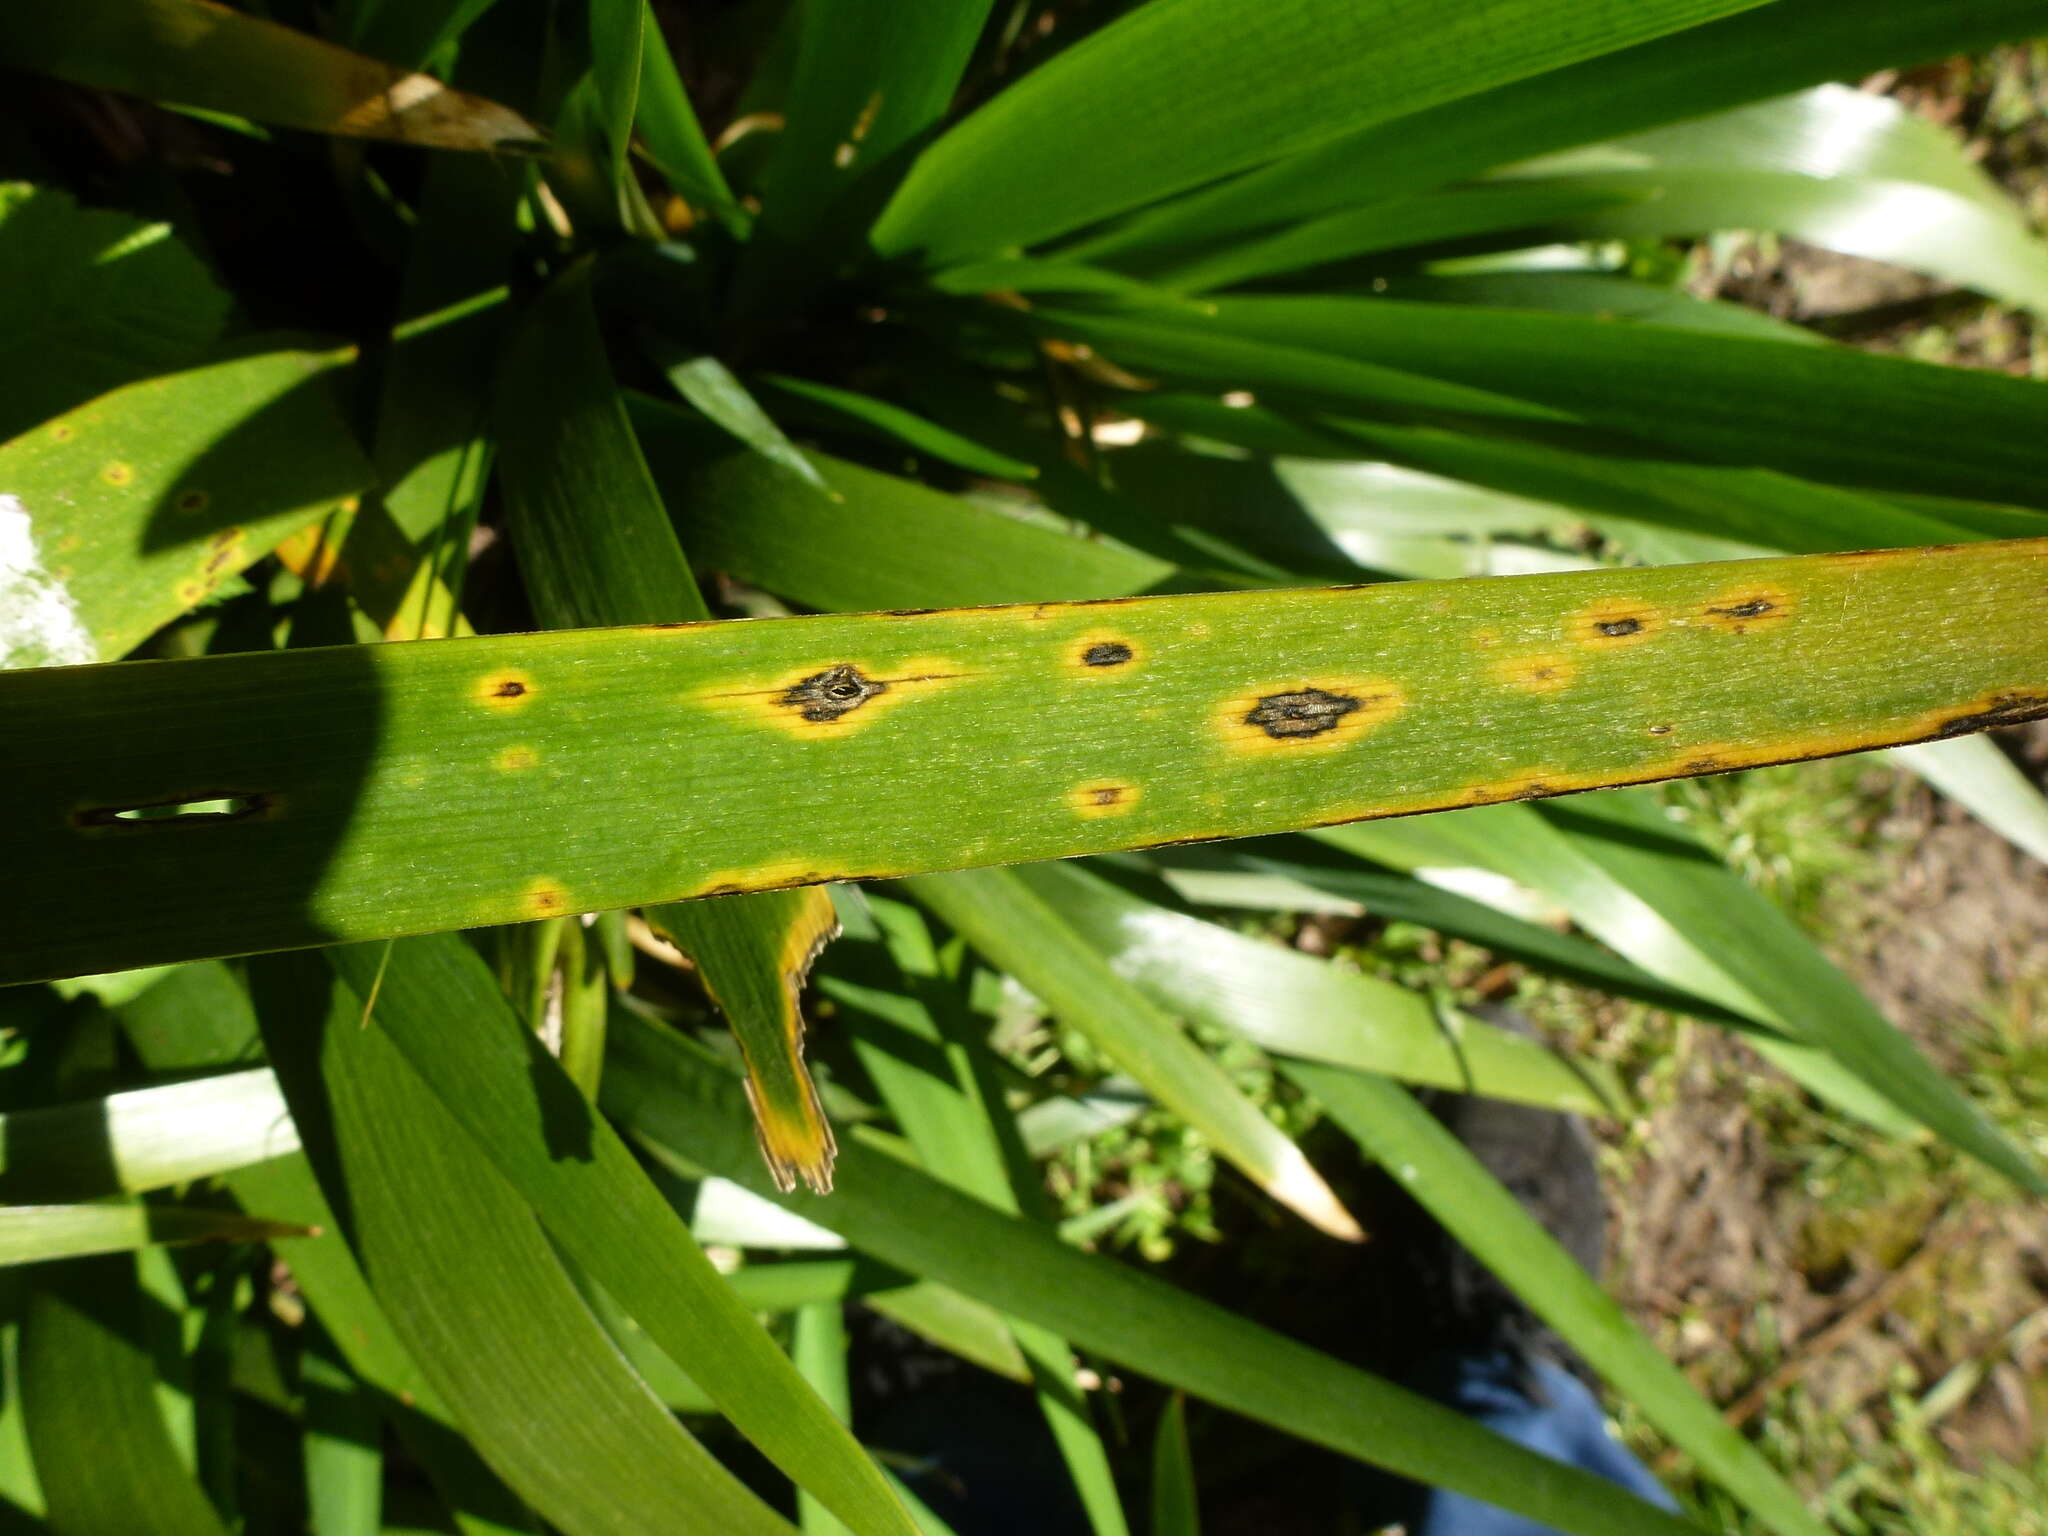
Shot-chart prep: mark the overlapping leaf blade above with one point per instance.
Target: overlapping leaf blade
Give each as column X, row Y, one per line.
column 471, row 1284
column 438, row 1007
column 1298, row 73
column 667, row 1094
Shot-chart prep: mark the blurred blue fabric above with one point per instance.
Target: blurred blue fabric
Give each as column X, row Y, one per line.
column 1538, row 1405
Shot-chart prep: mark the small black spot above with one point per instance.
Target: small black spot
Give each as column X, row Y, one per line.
column 1108, row 653
column 1310, row 712
column 1660, row 730
column 1755, row 608
column 1614, row 629
column 824, row 696
column 511, row 688
column 1108, row 795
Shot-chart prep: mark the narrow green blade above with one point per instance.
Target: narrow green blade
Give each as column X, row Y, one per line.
column 343, row 1450
column 1741, row 58
column 871, row 76
column 103, row 1452
column 201, row 1017
column 1628, row 875
column 887, row 542
column 32, row 1233
column 821, row 405
column 674, row 138
column 921, row 1049
column 1237, row 89
column 818, row 1346
column 1828, row 413
column 1974, row 773
column 1176, row 1511
column 1014, row 928
column 597, row 547
column 1297, row 1006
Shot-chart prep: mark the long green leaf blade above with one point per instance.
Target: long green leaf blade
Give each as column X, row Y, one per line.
column 365, row 791
column 1293, row 74
column 200, row 1017
column 920, row 1048
column 1175, row 1508
column 1744, row 57
column 1629, row 876
column 1014, row 928
column 1859, row 419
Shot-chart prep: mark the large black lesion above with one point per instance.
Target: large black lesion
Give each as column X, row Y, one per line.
column 1106, row 653
column 1309, row 712
column 826, row 696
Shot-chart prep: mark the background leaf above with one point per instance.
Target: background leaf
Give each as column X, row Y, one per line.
column 92, row 299
column 1303, row 71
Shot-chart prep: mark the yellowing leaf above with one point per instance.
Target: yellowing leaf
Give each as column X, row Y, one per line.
column 752, row 957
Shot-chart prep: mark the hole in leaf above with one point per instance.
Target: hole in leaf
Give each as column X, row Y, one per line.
column 211, row 808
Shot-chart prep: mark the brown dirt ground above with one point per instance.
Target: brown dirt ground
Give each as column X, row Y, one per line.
column 1756, row 1273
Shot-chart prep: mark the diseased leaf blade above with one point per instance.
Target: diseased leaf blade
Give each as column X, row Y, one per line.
column 400, row 788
